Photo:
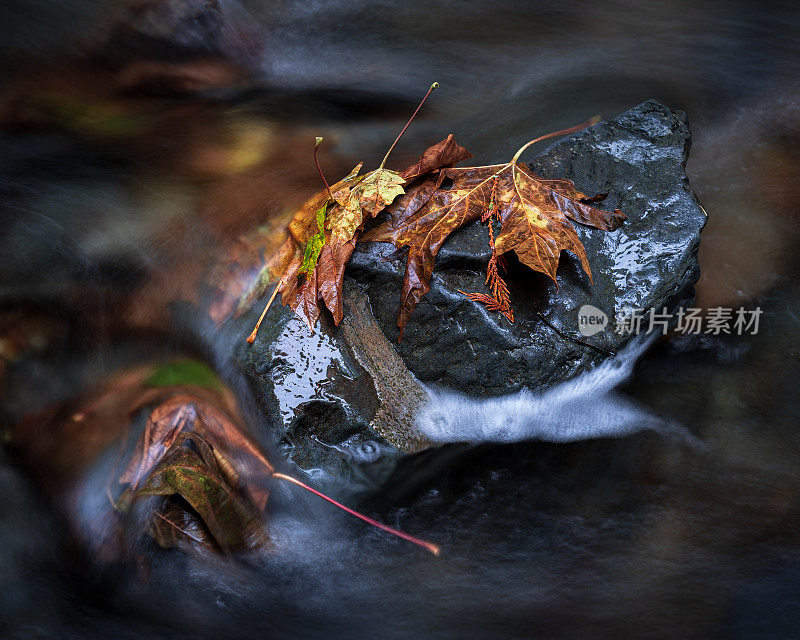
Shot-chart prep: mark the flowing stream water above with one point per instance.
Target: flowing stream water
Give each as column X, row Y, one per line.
column 657, row 497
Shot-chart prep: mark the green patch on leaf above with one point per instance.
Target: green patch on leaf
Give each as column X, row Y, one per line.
column 315, row 243
column 184, row 372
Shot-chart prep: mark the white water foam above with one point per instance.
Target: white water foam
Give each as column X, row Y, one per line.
column 583, row 408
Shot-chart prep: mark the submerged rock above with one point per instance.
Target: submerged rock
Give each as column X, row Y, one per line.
column 326, row 397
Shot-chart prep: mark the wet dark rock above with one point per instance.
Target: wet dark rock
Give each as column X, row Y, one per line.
column 638, row 159
column 320, row 399
column 324, row 397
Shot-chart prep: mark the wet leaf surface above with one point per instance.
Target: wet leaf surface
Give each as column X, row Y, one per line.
column 355, row 201
column 533, row 212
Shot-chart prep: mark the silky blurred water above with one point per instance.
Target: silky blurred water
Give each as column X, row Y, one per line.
column 638, row 535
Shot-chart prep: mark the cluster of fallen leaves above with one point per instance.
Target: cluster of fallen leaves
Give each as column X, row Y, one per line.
column 193, row 453
column 194, row 479
column 533, row 213
column 424, row 205
column 332, row 222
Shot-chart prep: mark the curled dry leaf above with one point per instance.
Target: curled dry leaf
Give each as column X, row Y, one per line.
column 194, row 472
column 184, row 413
column 443, row 154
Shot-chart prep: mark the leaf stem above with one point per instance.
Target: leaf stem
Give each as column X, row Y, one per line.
column 563, row 132
column 172, row 524
column 319, row 169
column 252, row 337
column 435, row 85
column 434, row 549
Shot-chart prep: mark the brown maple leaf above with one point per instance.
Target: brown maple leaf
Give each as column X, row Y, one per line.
column 221, row 515
column 310, row 266
column 337, row 251
column 182, row 414
column 297, row 285
column 534, row 213
column 194, row 449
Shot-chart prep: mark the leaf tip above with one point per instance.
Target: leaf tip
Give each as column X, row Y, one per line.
column 318, row 141
column 435, row 549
